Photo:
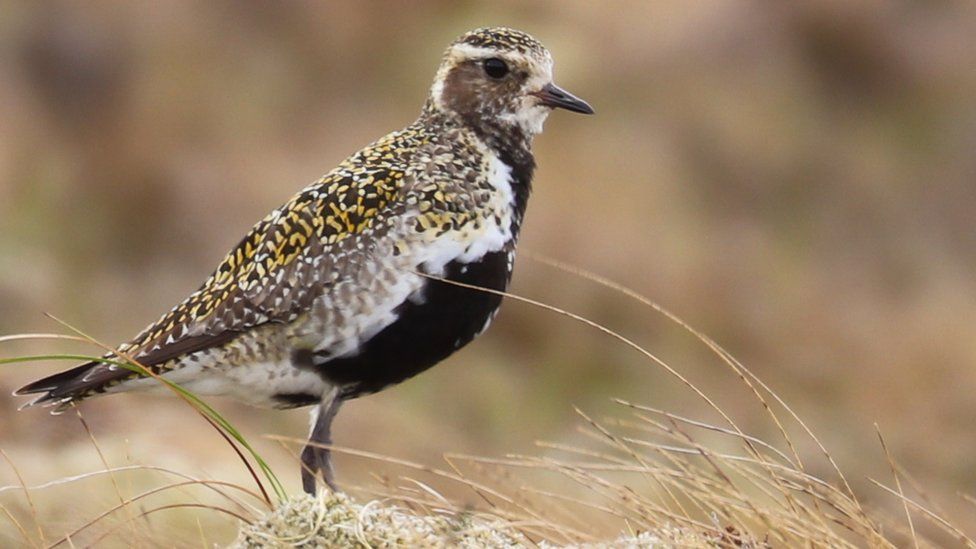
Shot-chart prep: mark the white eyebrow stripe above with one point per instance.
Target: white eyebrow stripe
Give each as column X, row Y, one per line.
column 463, row 52
column 473, row 52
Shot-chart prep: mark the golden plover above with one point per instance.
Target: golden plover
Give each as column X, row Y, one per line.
column 326, row 298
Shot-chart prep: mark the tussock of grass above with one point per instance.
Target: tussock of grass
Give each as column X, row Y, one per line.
column 335, row 520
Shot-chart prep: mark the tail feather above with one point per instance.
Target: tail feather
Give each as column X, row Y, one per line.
column 73, row 385
column 96, row 377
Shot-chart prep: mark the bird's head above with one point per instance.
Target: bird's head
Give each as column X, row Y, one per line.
column 500, row 79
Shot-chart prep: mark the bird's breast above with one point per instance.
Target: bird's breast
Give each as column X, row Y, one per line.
column 446, row 315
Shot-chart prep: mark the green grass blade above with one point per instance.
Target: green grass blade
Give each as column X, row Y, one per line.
column 194, row 400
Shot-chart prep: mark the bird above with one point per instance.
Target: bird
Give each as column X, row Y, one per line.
column 377, row 271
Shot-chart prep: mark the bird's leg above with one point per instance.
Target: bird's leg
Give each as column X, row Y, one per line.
column 316, row 458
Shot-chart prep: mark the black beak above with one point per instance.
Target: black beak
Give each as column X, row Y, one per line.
column 557, row 98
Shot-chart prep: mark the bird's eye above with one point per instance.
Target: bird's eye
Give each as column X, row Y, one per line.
column 495, row 67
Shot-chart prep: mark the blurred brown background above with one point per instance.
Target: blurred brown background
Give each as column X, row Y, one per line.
column 798, row 180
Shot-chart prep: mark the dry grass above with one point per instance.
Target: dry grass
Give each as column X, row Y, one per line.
column 646, row 478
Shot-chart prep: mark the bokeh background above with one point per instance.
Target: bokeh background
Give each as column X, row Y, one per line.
column 797, row 180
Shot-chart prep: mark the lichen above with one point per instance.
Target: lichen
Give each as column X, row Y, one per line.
column 334, row 520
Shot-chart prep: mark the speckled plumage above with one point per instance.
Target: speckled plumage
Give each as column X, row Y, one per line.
column 326, row 298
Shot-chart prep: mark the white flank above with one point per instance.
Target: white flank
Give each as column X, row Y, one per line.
column 255, row 384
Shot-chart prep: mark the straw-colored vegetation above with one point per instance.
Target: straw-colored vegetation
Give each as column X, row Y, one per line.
column 665, row 480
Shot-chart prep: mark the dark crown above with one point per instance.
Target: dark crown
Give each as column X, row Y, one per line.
column 502, row 38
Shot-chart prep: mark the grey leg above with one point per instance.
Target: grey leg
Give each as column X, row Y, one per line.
column 316, row 459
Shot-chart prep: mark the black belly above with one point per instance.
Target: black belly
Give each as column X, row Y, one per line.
column 425, row 332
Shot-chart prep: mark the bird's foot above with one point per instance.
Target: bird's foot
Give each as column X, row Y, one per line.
column 317, row 456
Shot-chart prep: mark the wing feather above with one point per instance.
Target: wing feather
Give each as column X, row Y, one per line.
column 273, row 274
